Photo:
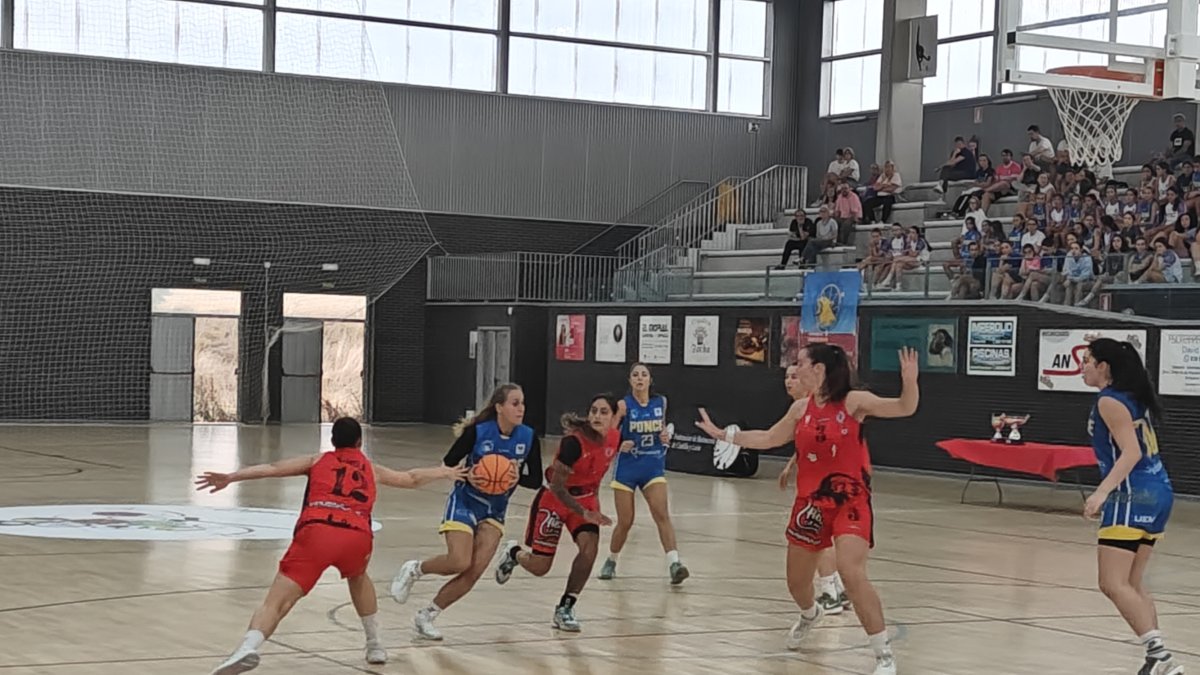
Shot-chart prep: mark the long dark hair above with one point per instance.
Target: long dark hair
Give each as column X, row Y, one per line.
column 839, row 380
column 488, row 412
column 576, row 423
column 1128, row 373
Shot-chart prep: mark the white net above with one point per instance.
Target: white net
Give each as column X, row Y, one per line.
column 118, row 175
column 1094, row 125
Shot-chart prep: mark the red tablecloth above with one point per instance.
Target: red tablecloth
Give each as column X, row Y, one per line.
column 1042, row 459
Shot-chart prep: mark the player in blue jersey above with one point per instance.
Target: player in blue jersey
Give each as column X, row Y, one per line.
column 474, row 521
column 1133, row 501
column 642, row 465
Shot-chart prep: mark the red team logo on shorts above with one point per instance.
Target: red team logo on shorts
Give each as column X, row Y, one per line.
column 549, row 528
column 808, row 524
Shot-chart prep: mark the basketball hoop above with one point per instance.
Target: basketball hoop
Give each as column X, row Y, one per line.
column 1094, row 121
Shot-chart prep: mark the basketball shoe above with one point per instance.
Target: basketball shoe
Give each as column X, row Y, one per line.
column 405, row 578
column 803, row 627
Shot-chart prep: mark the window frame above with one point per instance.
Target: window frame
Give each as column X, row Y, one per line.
column 503, row 33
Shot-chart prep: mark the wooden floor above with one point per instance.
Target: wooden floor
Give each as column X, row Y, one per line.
column 968, row 589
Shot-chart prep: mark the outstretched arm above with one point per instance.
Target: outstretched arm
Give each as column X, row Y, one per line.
column 414, row 478
column 864, row 404
column 780, row 433
column 292, row 466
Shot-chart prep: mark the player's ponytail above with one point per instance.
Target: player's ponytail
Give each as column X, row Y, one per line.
column 488, row 412
column 1128, row 373
column 575, row 423
column 839, row 377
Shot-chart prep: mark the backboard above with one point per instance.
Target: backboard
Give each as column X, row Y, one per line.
column 1148, row 49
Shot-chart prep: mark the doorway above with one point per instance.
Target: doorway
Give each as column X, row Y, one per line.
column 194, row 355
column 324, row 349
column 492, row 359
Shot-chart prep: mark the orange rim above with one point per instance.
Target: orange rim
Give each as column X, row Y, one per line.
column 1105, row 73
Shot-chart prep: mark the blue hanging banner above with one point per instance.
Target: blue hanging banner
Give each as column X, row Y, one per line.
column 830, row 303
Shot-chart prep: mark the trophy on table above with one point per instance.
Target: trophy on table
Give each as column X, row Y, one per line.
column 1014, row 422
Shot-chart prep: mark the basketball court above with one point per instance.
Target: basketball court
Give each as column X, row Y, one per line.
column 967, row 588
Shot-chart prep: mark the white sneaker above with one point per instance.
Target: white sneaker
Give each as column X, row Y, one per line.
column 424, row 628
column 376, row 655
column 405, row 578
column 1156, row 667
column 241, row 661
column 802, row 628
column 830, row 602
column 508, row 562
column 885, row 665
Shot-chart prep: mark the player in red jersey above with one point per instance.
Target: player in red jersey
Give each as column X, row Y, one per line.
column 333, row 530
column 833, row 493
column 569, row 501
column 831, row 594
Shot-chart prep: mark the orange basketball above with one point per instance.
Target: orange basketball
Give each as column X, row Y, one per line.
column 492, row 474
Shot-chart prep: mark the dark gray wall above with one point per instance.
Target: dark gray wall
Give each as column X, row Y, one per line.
column 953, row 405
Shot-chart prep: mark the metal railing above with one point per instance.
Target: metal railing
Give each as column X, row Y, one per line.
column 633, row 248
column 520, row 276
column 757, row 199
column 662, row 206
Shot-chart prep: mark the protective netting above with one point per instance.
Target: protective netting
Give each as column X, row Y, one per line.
column 1094, row 124
column 120, row 177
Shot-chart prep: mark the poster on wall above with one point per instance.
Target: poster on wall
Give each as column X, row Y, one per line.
column 610, row 339
column 700, row 340
column 936, row 342
column 1061, row 352
column 793, row 338
column 654, row 339
column 568, row 337
column 992, row 345
column 1179, row 363
column 751, row 341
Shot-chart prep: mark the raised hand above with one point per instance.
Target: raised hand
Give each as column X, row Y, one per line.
column 706, row 425
column 908, row 364
column 212, row 481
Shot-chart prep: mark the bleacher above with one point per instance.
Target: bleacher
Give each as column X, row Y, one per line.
column 738, row 263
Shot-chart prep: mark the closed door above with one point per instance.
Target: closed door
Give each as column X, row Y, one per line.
column 491, row 362
column 172, row 340
column 300, row 391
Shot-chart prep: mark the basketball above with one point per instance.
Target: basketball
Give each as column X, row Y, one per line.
column 493, row 474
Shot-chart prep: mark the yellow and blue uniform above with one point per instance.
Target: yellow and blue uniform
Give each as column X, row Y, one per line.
column 1140, row 506
column 646, row 464
column 467, row 508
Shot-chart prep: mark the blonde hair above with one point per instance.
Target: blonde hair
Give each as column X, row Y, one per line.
column 499, row 396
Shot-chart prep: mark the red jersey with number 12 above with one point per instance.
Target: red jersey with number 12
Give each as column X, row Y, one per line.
column 340, row 492
column 831, row 454
column 588, row 471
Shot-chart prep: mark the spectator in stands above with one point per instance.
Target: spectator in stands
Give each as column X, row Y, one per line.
column 848, row 211
column 1129, row 227
column 1042, row 190
column 915, row 252
column 828, row 196
column 1165, row 268
column 1112, row 202
column 968, row 284
column 1139, row 261
column 825, row 236
column 1163, row 180
column 1056, row 217
column 1169, row 212
column 1032, row 236
column 867, row 189
column 1146, row 180
column 974, row 210
column 877, row 256
column 1005, row 271
column 1064, row 172
column 1191, row 187
column 1181, row 235
column 1033, row 279
column 1129, row 202
column 843, row 169
column 800, row 231
column 1077, row 274
column 1040, row 148
column 1146, row 213
column 887, row 185
column 985, row 175
column 960, row 166
column 1112, row 265
column 961, row 247
column 1183, row 142
column 1008, row 177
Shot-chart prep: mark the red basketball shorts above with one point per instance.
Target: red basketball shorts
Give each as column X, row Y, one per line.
column 318, row 547
column 548, row 517
column 817, row 521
